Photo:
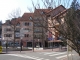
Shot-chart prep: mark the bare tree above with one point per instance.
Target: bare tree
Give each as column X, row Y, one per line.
column 42, row 14
column 67, row 22
column 15, row 13
column 14, row 16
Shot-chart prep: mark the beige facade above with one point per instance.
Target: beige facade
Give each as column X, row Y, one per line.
column 30, row 27
column 7, row 32
column 26, row 34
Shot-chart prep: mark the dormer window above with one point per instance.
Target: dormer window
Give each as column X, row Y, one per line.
column 18, row 24
column 8, row 23
column 42, row 12
column 30, row 18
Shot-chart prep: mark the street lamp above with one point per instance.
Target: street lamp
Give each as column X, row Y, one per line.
column 38, row 43
column 33, row 34
column 5, row 43
column 21, row 36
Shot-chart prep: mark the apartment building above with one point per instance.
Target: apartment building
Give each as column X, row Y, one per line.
column 53, row 21
column 18, row 29
column 39, row 31
column 7, row 31
column 27, row 26
column 30, row 28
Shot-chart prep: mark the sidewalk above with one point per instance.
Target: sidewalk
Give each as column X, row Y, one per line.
column 39, row 50
column 44, row 50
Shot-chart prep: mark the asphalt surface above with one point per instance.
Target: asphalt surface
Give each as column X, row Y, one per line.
column 8, row 57
column 39, row 55
column 33, row 56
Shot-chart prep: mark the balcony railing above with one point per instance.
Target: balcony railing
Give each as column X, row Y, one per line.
column 37, row 31
column 37, row 37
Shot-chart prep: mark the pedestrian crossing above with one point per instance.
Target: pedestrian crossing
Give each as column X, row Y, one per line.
column 56, row 55
column 29, row 57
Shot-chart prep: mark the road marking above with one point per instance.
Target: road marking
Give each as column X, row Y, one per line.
column 29, row 57
column 58, row 54
column 49, row 53
column 46, row 59
column 63, row 56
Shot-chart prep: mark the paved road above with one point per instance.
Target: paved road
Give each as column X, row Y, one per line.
column 37, row 56
column 34, row 56
column 10, row 57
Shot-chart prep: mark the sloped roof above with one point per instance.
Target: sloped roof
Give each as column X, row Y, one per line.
column 26, row 16
column 57, row 8
column 46, row 11
column 63, row 12
column 14, row 21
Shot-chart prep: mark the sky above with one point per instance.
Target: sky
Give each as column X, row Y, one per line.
column 7, row 6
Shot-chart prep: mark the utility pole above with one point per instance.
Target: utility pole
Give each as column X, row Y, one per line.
column 33, row 38
column 33, row 33
column 21, row 36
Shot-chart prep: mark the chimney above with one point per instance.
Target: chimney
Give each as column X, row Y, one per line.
column 49, row 7
column 7, row 21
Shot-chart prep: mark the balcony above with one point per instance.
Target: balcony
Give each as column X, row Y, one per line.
column 37, row 24
column 37, row 31
column 37, row 37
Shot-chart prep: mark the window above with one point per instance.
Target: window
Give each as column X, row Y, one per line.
column 8, row 29
column 30, row 18
column 42, row 12
column 38, row 18
column 18, row 24
column 8, row 22
column 26, row 35
column 36, row 30
column 30, row 23
column 27, row 29
column 17, row 30
column 26, row 23
column 7, row 35
column 37, row 24
column 17, row 35
column 38, row 36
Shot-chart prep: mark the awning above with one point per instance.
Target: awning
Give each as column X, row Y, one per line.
column 55, row 41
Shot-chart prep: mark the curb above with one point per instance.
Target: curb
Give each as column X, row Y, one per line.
column 3, row 53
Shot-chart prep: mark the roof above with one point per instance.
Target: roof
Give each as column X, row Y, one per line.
column 63, row 12
column 26, row 16
column 14, row 21
column 49, row 11
column 56, row 11
column 43, row 10
column 57, row 8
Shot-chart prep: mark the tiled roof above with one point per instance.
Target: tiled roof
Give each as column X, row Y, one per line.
column 63, row 12
column 57, row 8
column 14, row 21
column 48, row 10
column 26, row 16
column 43, row 10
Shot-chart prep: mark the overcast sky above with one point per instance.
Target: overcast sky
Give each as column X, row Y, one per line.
column 7, row 6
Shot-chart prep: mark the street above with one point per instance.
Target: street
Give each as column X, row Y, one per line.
column 7, row 57
column 34, row 56
column 52, row 55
